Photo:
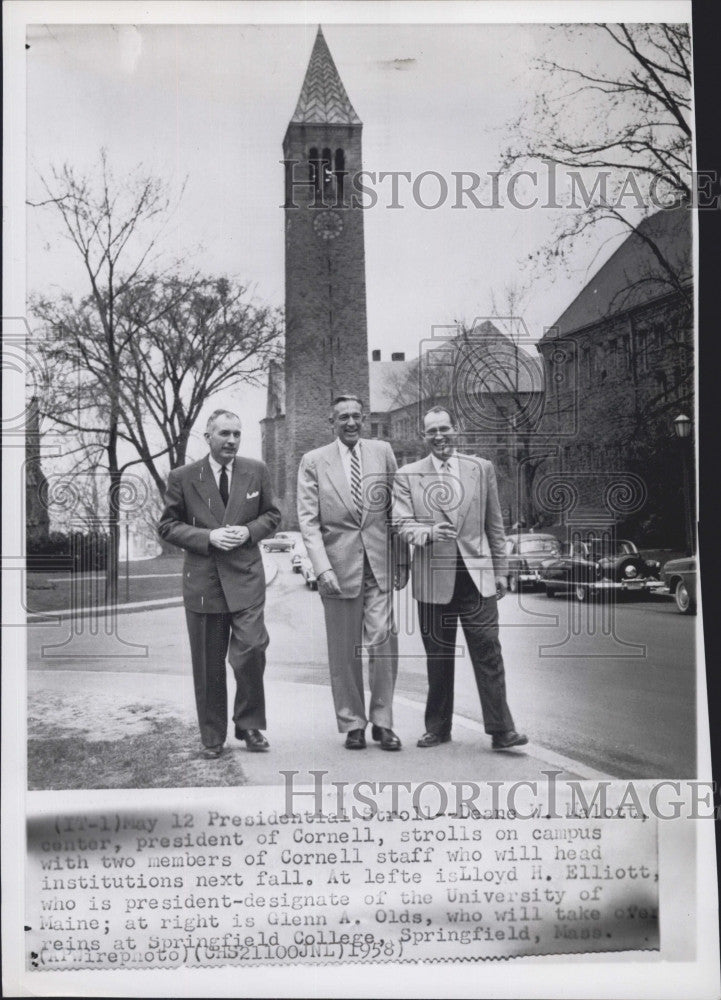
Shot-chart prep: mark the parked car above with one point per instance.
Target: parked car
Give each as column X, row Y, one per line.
column 600, row 567
column 283, row 541
column 526, row 554
column 679, row 579
column 297, row 554
column 308, row 573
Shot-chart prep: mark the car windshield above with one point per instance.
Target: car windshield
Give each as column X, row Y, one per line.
column 529, row 545
column 607, row 549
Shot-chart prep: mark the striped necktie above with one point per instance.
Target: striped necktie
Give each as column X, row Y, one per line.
column 355, row 479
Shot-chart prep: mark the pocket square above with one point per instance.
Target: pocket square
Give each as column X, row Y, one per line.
column 250, row 496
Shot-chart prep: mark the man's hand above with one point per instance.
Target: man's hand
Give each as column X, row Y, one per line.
column 501, row 587
column 226, row 538
column 400, row 578
column 328, row 585
column 443, row 532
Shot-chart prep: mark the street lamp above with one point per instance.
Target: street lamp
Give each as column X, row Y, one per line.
column 682, row 429
column 682, row 425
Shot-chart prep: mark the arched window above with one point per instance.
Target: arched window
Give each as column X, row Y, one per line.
column 339, row 172
column 314, row 169
column 326, row 165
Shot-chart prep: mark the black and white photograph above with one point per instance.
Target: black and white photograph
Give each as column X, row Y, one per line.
column 354, row 446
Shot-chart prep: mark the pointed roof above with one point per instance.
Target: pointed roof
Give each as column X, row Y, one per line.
column 323, row 99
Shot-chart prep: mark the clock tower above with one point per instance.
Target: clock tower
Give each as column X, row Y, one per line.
column 326, row 349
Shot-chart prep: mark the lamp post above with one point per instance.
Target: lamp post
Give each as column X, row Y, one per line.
column 682, row 429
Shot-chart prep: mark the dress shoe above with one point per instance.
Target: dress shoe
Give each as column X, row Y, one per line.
column 212, row 753
column 508, row 740
column 254, row 739
column 386, row 737
column 433, row 740
column 355, row 740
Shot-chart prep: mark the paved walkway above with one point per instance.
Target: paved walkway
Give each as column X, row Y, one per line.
column 87, row 689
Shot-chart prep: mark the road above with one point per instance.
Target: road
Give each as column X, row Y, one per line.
column 611, row 690
column 610, row 686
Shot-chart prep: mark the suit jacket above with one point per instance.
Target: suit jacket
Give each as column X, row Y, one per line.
column 477, row 517
column 335, row 535
column 215, row 581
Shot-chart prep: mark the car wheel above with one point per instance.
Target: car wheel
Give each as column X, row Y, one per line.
column 551, row 591
column 580, row 592
column 683, row 600
column 514, row 584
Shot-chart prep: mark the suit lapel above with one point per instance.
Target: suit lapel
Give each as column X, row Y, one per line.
column 238, row 490
column 369, row 468
column 337, row 478
column 205, row 485
column 468, row 473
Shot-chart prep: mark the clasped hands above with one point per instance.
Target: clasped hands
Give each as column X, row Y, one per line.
column 230, row 536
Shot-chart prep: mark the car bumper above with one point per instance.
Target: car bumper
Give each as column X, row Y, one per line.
column 627, row 585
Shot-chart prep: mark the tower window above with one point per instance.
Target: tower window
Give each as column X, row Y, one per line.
column 314, row 171
column 326, row 164
column 339, row 172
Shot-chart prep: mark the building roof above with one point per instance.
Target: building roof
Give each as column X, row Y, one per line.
column 633, row 276
column 487, row 361
column 323, row 99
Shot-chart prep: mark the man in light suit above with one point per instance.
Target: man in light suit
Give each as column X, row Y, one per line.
column 217, row 510
column 447, row 506
column 344, row 511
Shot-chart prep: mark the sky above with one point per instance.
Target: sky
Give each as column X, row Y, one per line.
column 206, row 106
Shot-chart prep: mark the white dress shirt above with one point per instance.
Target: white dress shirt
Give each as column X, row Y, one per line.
column 345, row 458
column 215, row 468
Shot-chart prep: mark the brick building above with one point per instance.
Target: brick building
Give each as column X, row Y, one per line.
column 326, row 348
column 623, row 354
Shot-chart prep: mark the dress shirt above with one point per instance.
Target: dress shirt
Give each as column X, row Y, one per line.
column 345, row 458
column 452, row 463
column 217, row 466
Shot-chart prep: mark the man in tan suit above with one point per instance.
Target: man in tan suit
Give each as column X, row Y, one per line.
column 344, row 512
column 447, row 506
column 217, row 510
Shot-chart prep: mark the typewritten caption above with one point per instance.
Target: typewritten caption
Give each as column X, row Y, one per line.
column 215, row 887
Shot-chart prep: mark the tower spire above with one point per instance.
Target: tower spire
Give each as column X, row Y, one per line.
column 323, row 99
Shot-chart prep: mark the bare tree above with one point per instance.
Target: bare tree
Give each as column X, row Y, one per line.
column 620, row 130
column 130, row 363
column 107, row 224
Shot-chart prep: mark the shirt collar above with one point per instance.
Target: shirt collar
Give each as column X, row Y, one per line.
column 452, row 463
column 345, row 450
column 217, row 466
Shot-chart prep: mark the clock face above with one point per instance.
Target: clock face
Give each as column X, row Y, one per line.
column 328, row 225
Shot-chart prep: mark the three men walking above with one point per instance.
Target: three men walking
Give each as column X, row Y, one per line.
column 359, row 517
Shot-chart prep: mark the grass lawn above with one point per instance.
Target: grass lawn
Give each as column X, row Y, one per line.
column 165, row 755
column 148, row 580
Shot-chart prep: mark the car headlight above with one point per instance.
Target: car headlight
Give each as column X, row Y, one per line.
column 630, row 572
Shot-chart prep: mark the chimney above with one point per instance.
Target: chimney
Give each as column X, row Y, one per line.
column 398, row 356
column 375, row 355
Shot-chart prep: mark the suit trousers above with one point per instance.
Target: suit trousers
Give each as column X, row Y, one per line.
column 479, row 619
column 242, row 636
column 351, row 623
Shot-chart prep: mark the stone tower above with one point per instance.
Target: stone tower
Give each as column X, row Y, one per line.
column 326, row 349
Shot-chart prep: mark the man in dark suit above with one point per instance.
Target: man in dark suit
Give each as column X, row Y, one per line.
column 447, row 506
column 344, row 512
column 217, row 510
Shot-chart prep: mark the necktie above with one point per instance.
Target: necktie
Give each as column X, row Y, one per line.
column 223, row 484
column 449, row 499
column 355, row 480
